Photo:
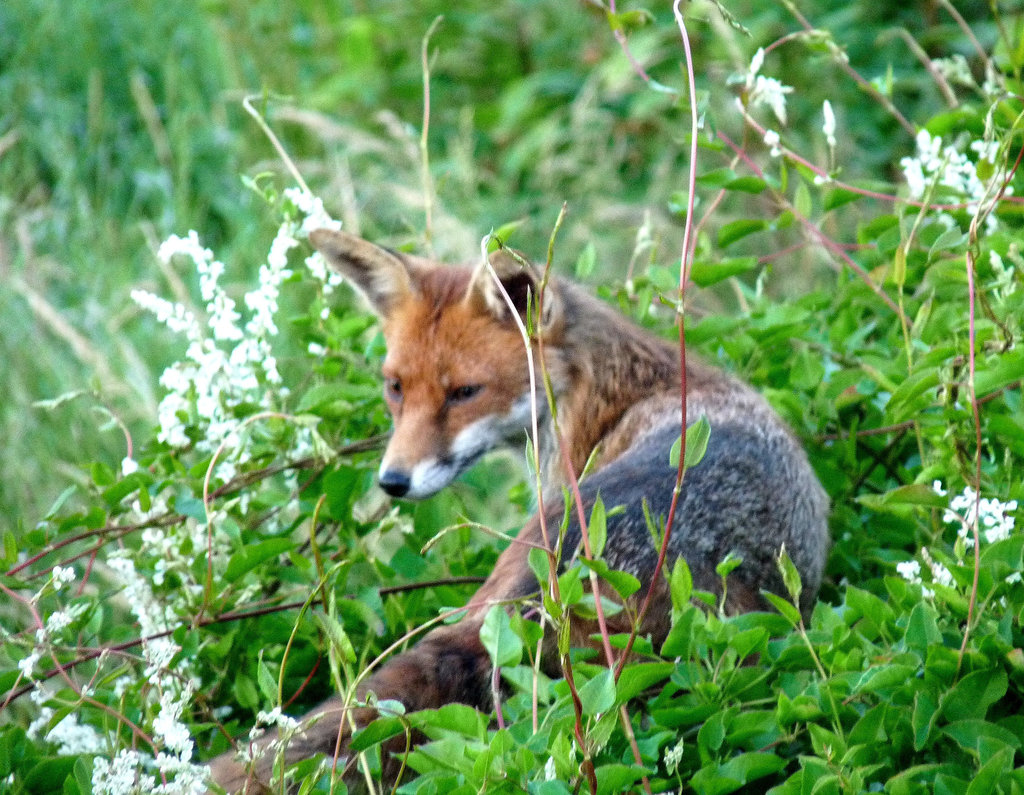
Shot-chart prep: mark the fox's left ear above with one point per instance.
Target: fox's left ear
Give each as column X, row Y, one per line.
column 380, row 275
column 521, row 281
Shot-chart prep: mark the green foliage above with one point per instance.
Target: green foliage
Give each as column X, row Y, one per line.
column 239, row 559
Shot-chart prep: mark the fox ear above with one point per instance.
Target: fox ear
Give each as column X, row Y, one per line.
column 520, row 281
column 380, row 275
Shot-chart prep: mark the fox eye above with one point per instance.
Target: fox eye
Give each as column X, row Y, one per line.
column 462, row 393
column 393, row 388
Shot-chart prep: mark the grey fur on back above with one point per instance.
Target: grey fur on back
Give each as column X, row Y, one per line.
column 753, row 492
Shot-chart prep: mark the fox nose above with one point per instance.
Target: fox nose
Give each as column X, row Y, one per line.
column 395, row 482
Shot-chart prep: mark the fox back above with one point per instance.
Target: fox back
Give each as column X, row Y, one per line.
column 458, row 382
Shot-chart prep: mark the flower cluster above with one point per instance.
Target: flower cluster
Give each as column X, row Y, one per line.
column 207, row 387
column 229, row 365
column 760, row 90
column 993, row 518
column 950, row 167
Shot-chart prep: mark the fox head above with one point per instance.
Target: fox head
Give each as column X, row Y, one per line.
column 456, row 376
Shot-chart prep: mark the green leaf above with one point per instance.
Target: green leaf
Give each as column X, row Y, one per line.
column 585, row 262
column 922, row 628
column 747, row 185
column 999, row 371
column 802, row 200
column 597, row 528
column 502, row 644
column 913, row 394
column 697, row 436
column 737, row 230
column 704, row 273
column 376, row 732
column 624, row 583
column 680, row 638
column 324, row 399
column 10, row 549
column 338, row 637
column 266, row 681
column 913, row 494
column 637, row 677
column 736, row 773
column 969, row 734
column 49, row 772
column 249, row 557
column 923, row 718
column 626, row 21
column 598, row 695
column 800, row 709
column 728, row 564
column 788, row 611
column 615, row 778
column 102, row 475
column 974, row 694
column 712, row 733
column 749, row 641
column 790, row 575
column 538, row 560
column 985, row 780
column 884, row 678
column 681, row 584
column 502, row 234
column 717, row 178
column 838, row 197
column 460, row 718
column 59, row 502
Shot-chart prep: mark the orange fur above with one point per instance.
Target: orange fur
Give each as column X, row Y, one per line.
column 457, row 383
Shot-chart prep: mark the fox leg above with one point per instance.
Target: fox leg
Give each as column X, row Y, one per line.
column 449, row 664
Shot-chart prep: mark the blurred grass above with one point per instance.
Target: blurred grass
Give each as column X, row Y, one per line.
column 120, row 123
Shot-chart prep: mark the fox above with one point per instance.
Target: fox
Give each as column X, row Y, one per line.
column 457, row 381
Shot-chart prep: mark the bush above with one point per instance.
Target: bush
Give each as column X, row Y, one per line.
column 855, row 255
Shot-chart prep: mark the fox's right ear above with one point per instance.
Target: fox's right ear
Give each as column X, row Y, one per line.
column 380, row 275
column 520, row 282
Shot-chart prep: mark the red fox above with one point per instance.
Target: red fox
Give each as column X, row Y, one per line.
column 457, row 382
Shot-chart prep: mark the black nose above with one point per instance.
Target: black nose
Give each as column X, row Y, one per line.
column 395, row 482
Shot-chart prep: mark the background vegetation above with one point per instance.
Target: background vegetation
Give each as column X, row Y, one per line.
column 816, row 279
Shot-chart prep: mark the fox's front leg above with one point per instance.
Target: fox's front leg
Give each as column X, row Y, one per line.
column 449, row 664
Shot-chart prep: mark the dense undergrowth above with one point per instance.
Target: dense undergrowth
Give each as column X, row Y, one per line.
column 193, row 535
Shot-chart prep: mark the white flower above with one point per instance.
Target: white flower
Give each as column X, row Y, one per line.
column 951, row 168
column 769, row 91
column 909, row 570
column 829, row 125
column 940, row 574
column 73, row 738
column 61, row 576
column 772, row 140
column 176, row 317
column 276, row 718
column 992, row 516
column 27, row 664
column 122, row 775
column 58, row 621
column 167, row 725
column 313, row 209
column 761, row 90
column 316, row 349
column 674, row 755
column 955, row 69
